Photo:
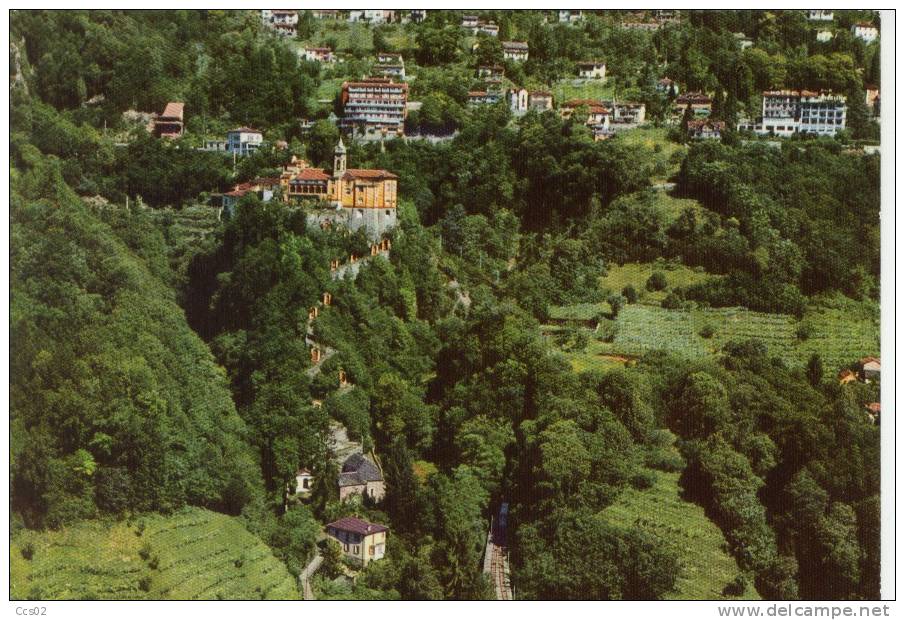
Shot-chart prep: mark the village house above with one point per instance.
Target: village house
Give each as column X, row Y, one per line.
column 642, row 26
column 705, row 129
column 598, row 114
column 540, row 100
column 873, row 412
column 667, row 87
column 846, row 376
column 515, row 50
column 362, row 542
column 494, row 72
column 517, row 98
column 281, row 21
column 170, row 123
column 264, row 187
column 325, row 13
column 469, row 21
column 488, row 28
column 865, row 31
column 304, row 481
column 373, row 16
column 700, row 103
column 627, row 112
column 820, row 15
column 824, row 36
column 602, row 132
column 570, row 16
column 786, row 112
column 416, row 16
column 592, row 70
column 360, row 476
column 358, row 198
column 870, row 368
column 374, row 107
column 243, row 140
column 484, row 97
column 318, row 54
column 389, row 58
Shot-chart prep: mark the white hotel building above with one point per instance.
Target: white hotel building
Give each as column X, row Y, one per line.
column 786, row 112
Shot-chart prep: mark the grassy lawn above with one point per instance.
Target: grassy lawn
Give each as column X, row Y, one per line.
column 197, row 554
column 681, row 527
column 661, row 149
column 636, row 275
column 573, row 88
column 672, row 207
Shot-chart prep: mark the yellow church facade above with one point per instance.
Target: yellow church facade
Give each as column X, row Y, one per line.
column 350, row 188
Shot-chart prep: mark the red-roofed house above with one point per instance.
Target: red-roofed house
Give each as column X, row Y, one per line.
column 361, row 541
column 870, row 368
column 170, row 123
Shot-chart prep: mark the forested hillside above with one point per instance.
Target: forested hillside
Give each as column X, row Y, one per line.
column 578, row 328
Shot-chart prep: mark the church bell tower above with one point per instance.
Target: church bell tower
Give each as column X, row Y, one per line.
column 339, row 159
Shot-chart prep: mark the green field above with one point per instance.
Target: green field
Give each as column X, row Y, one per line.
column 681, row 527
column 196, row 551
column 636, row 275
column 572, row 88
column 659, row 149
column 840, row 334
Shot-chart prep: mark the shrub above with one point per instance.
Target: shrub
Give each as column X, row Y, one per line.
column 140, row 529
column 663, row 459
column 28, row 551
column 736, row 587
column 672, row 302
column 144, row 584
column 145, row 552
column 154, row 563
column 804, row 331
column 616, row 302
column 643, row 480
column 656, row 281
column 239, row 562
column 630, row 294
column 707, row 331
column 607, row 330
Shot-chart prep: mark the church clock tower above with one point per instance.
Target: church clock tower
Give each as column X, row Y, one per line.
column 339, row 159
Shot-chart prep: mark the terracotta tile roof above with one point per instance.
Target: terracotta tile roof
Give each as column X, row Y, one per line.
column 873, row 407
column 515, row 45
column 357, row 526
column 575, row 103
column 868, row 360
column 358, row 173
column 244, row 130
column 310, row 174
column 174, row 109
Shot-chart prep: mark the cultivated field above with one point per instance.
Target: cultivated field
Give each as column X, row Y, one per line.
column 194, row 554
column 681, row 527
column 574, row 88
column 840, row 332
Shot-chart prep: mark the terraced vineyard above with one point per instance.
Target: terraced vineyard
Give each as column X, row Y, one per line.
column 840, row 335
column 681, row 527
column 194, row 554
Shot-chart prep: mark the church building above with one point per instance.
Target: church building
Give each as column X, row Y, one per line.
column 353, row 197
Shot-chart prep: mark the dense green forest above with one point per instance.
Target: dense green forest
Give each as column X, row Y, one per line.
column 151, row 371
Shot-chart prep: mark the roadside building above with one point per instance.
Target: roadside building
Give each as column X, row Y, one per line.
column 362, row 542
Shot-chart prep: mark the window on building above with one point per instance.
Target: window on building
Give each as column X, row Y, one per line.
column 356, row 549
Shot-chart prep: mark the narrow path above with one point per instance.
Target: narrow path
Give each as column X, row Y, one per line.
column 496, row 555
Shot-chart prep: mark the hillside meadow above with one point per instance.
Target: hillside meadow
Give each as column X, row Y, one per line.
column 194, row 554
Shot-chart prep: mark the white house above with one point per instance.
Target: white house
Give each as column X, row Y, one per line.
column 820, row 15
column 865, row 31
column 518, row 100
column 515, row 50
column 570, row 16
column 318, row 54
column 592, row 70
column 243, row 140
column 824, row 36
